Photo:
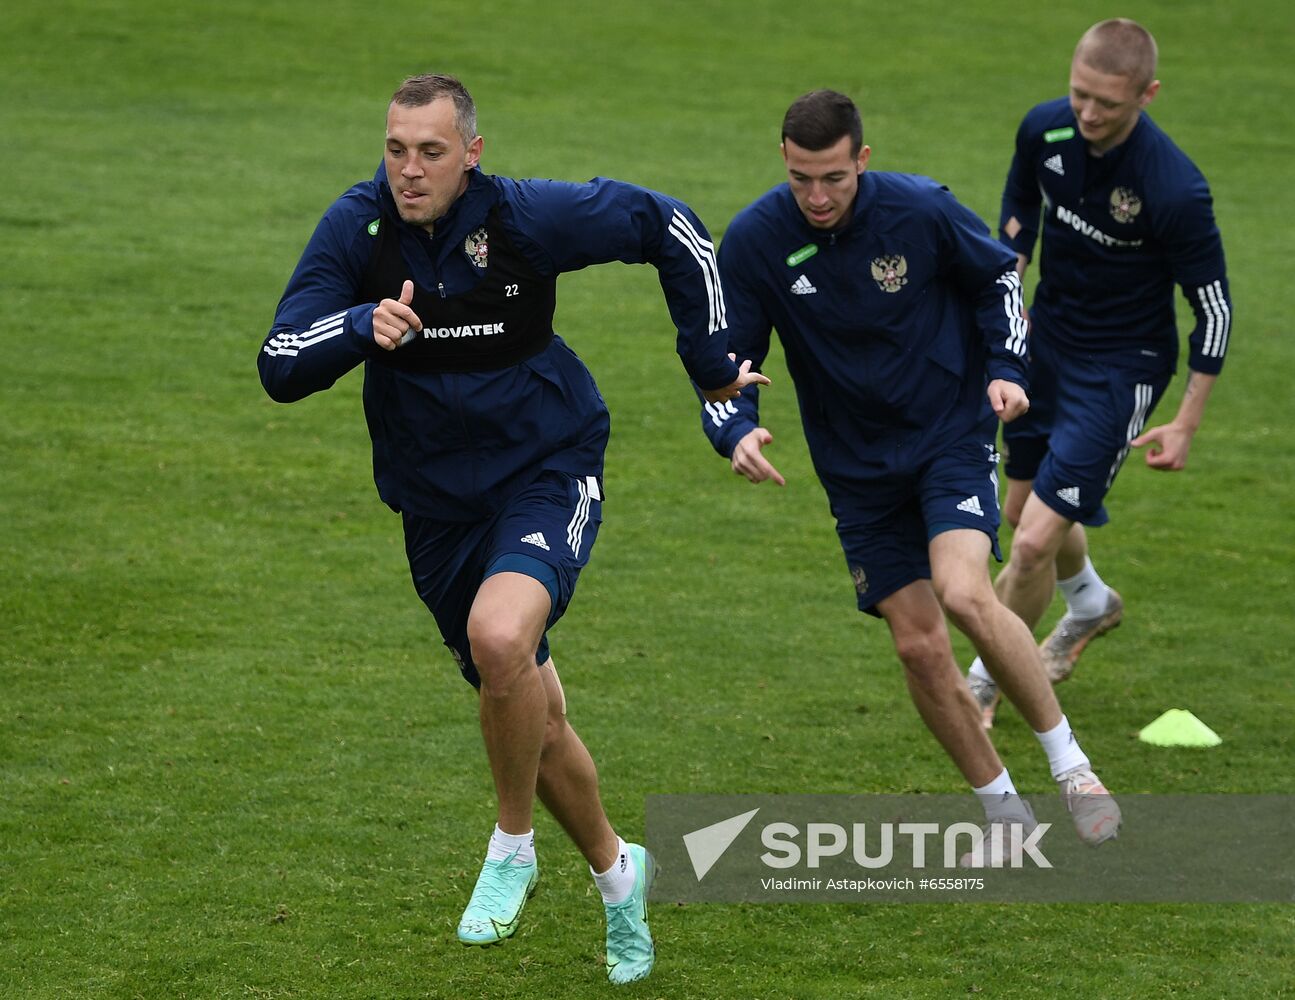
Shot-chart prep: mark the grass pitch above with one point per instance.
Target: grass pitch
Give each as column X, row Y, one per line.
column 235, row 760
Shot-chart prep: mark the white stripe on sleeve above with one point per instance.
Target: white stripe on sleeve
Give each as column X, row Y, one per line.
column 1218, row 319
column 719, row 412
column 1014, row 306
column 703, row 251
column 290, row 344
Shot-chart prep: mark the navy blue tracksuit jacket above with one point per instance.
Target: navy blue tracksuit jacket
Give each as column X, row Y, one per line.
column 891, row 325
column 456, row 444
column 1118, row 231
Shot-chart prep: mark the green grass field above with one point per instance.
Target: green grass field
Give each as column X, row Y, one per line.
column 235, row 760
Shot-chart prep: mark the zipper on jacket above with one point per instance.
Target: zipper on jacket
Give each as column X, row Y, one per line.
column 470, row 444
column 440, row 287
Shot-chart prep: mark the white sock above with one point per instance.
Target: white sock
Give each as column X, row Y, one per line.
column 1063, row 750
column 978, row 669
column 617, row 882
column 504, row 845
column 1085, row 592
column 999, row 798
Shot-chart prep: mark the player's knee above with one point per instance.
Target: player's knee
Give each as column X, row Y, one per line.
column 555, row 730
column 501, row 649
column 1032, row 551
column 969, row 604
column 922, row 651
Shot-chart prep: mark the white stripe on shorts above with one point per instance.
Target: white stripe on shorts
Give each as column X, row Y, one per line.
column 576, row 529
column 1141, row 406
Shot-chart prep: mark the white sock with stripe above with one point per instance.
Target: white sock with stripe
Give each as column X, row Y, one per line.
column 1085, row 592
column 617, row 882
column 1063, row 750
column 504, row 845
column 999, row 798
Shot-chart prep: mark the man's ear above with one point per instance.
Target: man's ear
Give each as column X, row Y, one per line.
column 473, row 155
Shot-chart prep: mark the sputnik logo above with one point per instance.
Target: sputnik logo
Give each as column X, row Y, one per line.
column 707, row 845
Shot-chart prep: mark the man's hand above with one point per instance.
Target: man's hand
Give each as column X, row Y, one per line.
column 1170, row 442
column 1008, row 399
column 750, row 462
column 745, row 377
column 394, row 323
column 1169, row 446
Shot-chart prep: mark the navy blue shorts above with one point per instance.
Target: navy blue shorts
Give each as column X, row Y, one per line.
column 886, row 526
column 546, row 532
column 1072, row 442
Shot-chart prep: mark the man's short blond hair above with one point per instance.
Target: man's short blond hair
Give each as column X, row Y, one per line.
column 1120, row 47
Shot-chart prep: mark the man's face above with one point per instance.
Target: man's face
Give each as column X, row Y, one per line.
column 426, row 160
column 1106, row 107
column 824, row 181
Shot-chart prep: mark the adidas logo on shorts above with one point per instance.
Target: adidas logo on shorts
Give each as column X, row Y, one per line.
column 972, row 506
column 536, row 538
column 1070, row 494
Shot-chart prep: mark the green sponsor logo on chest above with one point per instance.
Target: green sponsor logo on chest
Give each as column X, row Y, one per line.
column 803, row 254
column 1059, row 134
column 373, row 228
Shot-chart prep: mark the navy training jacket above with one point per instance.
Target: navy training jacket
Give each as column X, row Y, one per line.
column 455, row 445
column 892, row 325
column 1118, row 231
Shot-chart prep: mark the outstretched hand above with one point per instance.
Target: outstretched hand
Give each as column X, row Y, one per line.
column 1008, row 399
column 394, row 322
column 744, row 378
column 748, row 458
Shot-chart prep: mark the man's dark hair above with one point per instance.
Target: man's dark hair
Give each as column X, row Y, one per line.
column 419, row 91
column 820, row 118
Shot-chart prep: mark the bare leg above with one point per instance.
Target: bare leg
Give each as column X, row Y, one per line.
column 1028, row 580
column 917, row 627
column 504, row 629
column 568, row 781
column 1073, row 552
column 1074, row 546
column 961, row 582
column 1018, row 491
